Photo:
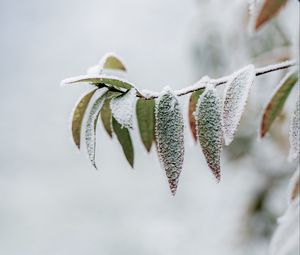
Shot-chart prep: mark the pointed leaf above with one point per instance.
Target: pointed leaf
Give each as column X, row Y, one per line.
column 277, row 101
column 192, row 107
column 124, row 138
column 269, row 9
column 106, row 116
column 78, row 115
column 122, row 108
column 146, row 121
column 209, row 128
column 294, row 186
column 111, row 61
column 90, row 131
column 169, row 136
column 294, row 135
column 236, row 95
column 100, row 81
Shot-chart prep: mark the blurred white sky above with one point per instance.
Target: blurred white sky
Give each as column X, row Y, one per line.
column 51, row 200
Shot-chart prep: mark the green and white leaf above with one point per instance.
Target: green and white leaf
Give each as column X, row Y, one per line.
column 124, row 139
column 106, row 117
column 90, row 131
column 276, row 103
column 122, row 108
column 294, row 186
column 236, row 95
column 209, row 128
column 294, row 134
column 146, row 121
column 169, row 129
column 77, row 116
column 112, row 61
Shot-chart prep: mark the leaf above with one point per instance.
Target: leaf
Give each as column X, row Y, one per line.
column 106, row 117
column 294, row 134
column 111, row 61
column 100, row 81
column 124, row 138
column 192, row 107
column 90, row 131
column 277, row 101
column 294, row 186
column 169, row 136
column 122, row 108
column 270, row 9
column 78, row 115
column 236, row 95
column 146, row 121
column 209, row 128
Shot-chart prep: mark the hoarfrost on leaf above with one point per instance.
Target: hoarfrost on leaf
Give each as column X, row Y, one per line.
column 90, row 131
column 169, row 130
column 294, row 186
column 236, row 95
column 122, row 108
column 208, row 117
column 294, row 134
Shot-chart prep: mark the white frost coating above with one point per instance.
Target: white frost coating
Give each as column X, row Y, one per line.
column 90, row 131
column 294, row 134
column 169, row 134
column 236, row 95
column 122, row 108
column 107, row 55
column 294, row 186
column 208, row 117
column 286, row 238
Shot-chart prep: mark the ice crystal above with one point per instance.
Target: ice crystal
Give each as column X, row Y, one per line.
column 122, row 108
column 209, row 128
column 236, row 95
column 90, row 131
column 169, row 136
column 286, row 238
column 294, row 135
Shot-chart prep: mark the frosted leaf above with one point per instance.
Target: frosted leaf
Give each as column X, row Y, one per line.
column 106, row 116
column 277, row 101
column 111, row 61
column 90, row 131
column 294, row 186
column 285, row 240
column 169, row 136
column 294, row 134
column 209, row 128
column 236, row 95
column 77, row 116
column 122, row 108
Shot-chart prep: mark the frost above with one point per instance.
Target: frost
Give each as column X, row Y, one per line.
column 169, row 136
column 90, row 131
column 122, row 108
column 236, row 95
column 209, row 128
column 294, row 186
column 294, row 135
column 286, row 238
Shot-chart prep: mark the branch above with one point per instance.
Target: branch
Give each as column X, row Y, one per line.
column 201, row 84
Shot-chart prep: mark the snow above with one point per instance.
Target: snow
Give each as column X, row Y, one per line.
column 122, row 108
column 294, row 134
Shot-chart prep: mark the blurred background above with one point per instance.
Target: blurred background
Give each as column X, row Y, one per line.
column 52, row 201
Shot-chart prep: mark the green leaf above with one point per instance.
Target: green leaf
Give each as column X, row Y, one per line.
column 78, row 115
column 90, row 131
column 169, row 136
column 124, row 138
column 209, row 128
column 270, row 9
column 100, row 81
column 276, row 103
column 146, row 121
column 106, row 116
column 111, row 61
column 192, row 107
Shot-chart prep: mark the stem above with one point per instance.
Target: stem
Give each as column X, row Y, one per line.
column 201, row 84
